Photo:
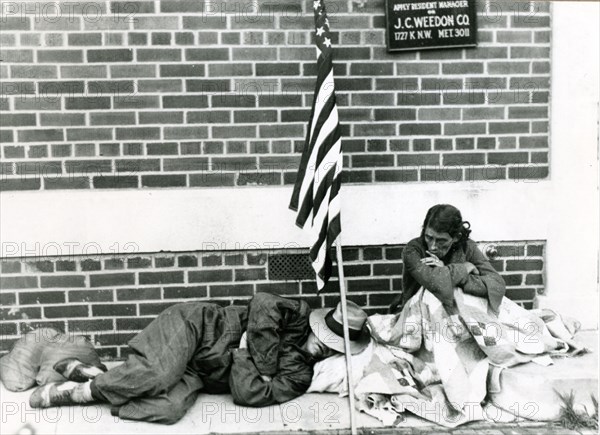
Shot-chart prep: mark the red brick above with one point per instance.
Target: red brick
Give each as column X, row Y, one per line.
column 139, row 263
column 154, row 308
column 351, row 270
column 87, row 103
column 66, row 311
column 393, row 253
column 520, row 294
column 187, row 261
column 186, row 164
column 41, row 266
column 441, row 175
column 210, row 275
column 372, row 253
column 196, row 101
column 60, row 281
column 111, row 310
column 166, row 148
column 464, row 128
column 535, row 250
column 20, row 313
column 279, row 288
column 156, row 22
column 513, row 279
column 46, row 297
column 137, row 294
column 20, row 184
column 158, row 55
column 90, row 296
column 115, row 182
column 62, row 119
column 47, row 135
column 185, row 132
column 164, row 262
column 65, row 266
column 113, row 263
column 133, row 71
column 111, row 279
column 422, row 129
column 529, row 52
column 84, row 39
column 7, row 329
column 397, row 175
column 60, row 56
column 534, row 279
column 161, row 277
column 250, row 274
column 127, row 8
column 381, row 299
column 15, row 23
column 231, row 290
column 163, row 181
column 212, row 55
column 372, row 160
column 368, row 285
column 110, row 55
column 137, row 133
column 524, row 265
column 133, row 166
column 387, row 269
column 10, row 266
column 90, row 325
column 88, row 167
column 460, row 159
column 185, row 292
column 211, row 260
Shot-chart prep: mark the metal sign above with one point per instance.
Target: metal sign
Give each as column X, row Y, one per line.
column 418, row 24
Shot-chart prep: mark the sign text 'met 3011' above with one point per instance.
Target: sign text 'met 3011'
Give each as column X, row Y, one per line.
column 414, row 25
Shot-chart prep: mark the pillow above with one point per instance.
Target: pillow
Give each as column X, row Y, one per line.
column 19, row 368
column 329, row 375
column 65, row 346
column 33, row 356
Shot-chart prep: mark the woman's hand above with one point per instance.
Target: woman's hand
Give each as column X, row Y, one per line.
column 432, row 260
column 471, row 268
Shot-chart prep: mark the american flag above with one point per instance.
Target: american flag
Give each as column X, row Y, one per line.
column 316, row 193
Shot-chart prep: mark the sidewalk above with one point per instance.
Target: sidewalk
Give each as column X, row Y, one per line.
column 310, row 413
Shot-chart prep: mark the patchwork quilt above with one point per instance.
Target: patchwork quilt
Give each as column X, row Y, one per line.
column 439, row 364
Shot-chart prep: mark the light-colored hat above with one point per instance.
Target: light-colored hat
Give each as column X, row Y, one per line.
column 326, row 324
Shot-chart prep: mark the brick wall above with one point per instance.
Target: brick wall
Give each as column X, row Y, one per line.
column 119, row 94
column 111, row 297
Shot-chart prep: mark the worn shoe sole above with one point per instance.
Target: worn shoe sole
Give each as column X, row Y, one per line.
column 77, row 371
column 54, row 394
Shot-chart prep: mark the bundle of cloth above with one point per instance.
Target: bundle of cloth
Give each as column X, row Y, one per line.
column 441, row 363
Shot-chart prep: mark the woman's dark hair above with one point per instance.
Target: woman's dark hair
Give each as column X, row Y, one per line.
column 445, row 218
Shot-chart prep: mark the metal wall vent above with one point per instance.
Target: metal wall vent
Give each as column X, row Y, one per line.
column 290, row 267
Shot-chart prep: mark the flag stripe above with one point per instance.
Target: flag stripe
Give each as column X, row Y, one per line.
column 316, row 191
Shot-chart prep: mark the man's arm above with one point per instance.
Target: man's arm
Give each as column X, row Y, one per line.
column 269, row 316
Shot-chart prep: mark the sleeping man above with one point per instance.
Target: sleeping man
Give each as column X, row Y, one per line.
column 195, row 346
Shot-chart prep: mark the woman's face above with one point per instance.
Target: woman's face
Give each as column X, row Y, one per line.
column 438, row 243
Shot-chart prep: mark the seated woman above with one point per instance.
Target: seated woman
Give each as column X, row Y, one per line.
column 443, row 258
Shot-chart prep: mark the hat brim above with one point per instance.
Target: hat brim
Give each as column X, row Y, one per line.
column 331, row 339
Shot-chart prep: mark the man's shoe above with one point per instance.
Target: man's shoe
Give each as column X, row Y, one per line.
column 54, row 394
column 77, row 371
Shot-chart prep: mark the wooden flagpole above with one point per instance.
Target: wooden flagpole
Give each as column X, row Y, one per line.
column 340, row 266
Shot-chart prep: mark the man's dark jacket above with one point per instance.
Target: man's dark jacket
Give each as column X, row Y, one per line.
column 277, row 328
